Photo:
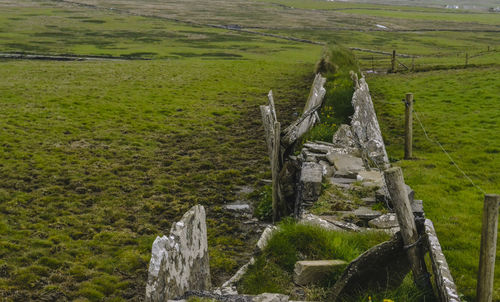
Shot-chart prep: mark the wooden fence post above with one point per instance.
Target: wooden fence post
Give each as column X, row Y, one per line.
column 488, row 248
column 393, row 61
column 409, row 126
column 275, row 170
column 466, row 59
column 406, row 220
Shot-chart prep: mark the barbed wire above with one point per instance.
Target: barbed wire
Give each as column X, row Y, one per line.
column 435, row 141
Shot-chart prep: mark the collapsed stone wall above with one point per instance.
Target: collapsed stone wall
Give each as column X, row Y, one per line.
column 356, row 156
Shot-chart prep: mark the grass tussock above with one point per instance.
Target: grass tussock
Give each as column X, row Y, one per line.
column 273, row 269
column 335, row 64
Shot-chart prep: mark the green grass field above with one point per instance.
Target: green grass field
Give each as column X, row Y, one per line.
column 99, row 157
column 461, row 110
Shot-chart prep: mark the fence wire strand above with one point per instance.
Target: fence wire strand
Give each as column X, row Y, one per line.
column 447, row 154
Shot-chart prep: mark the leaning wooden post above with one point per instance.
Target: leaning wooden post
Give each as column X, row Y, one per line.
column 393, row 61
column 488, row 248
column 397, row 190
column 408, row 126
column 275, row 171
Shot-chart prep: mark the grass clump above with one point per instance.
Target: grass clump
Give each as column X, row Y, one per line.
column 336, row 64
column 264, row 208
column 273, row 269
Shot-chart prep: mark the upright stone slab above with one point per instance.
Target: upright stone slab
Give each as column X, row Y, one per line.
column 179, row 262
column 310, row 177
column 383, row 266
column 364, row 124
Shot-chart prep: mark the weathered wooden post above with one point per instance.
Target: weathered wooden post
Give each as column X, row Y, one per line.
column 397, row 190
column 275, row 170
column 488, row 248
column 408, row 125
column 393, row 61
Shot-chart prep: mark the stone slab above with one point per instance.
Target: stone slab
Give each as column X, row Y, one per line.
column 341, row 224
column 314, row 271
column 383, row 266
column 386, row 221
column 179, row 262
column 318, row 221
column 266, row 235
column 337, row 180
column 366, row 213
column 311, row 176
column 418, row 208
column 328, row 170
column 345, row 162
column 374, row 177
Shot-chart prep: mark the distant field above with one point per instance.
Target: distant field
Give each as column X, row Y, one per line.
column 461, row 110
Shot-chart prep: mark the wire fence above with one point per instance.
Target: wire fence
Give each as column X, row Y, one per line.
column 435, row 141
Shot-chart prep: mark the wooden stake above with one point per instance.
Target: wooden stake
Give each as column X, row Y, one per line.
column 393, row 61
column 408, row 126
column 275, row 170
column 397, row 190
column 488, row 248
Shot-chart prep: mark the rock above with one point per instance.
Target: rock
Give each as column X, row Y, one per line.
column 328, row 170
column 310, row 272
column 179, row 262
column 341, row 181
column 366, row 213
column 385, row 221
column 411, row 193
column 344, row 138
column 383, row 266
column 346, row 174
column 311, row 177
column 266, row 235
column 237, row 276
column 345, row 162
column 369, row 200
column 312, row 156
column 364, row 124
column 316, row 220
column 374, row 177
column 288, row 182
column 318, row 147
column 418, row 208
column 267, row 297
column 381, row 195
column 225, row 291
column 238, row 207
column 342, row 224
